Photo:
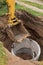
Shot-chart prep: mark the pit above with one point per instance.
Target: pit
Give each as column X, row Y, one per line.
column 8, row 43
column 24, row 53
column 28, row 49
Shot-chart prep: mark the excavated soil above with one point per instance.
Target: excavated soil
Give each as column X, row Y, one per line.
column 34, row 35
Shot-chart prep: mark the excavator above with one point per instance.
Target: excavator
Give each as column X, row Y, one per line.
column 20, row 31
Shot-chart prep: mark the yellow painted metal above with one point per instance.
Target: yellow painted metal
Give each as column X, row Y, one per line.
column 11, row 9
column 13, row 24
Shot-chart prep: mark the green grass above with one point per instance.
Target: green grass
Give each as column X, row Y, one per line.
column 33, row 4
column 3, row 57
column 4, row 10
column 29, row 10
column 21, row 0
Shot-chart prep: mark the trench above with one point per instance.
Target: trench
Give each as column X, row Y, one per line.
column 7, row 42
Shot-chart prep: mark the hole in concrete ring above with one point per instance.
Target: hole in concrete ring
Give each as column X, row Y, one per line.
column 24, row 53
column 27, row 50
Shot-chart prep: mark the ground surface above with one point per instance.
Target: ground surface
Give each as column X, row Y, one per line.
column 30, row 6
column 3, row 57
column 29, row 9
column 40, row 6
column 37, row 1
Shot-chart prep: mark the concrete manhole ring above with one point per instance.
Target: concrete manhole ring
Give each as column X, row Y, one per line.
column 28, row 46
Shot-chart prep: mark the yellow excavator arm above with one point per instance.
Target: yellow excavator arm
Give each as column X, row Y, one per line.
column 19, row 32
column 11, row 5
column 11, row 8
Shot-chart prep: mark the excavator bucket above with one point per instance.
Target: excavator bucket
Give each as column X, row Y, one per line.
column 19, row 32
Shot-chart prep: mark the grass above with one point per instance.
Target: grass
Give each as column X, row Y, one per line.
column 29, row 10
column 4, row 10
column 3, row 57
column 33, row 4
